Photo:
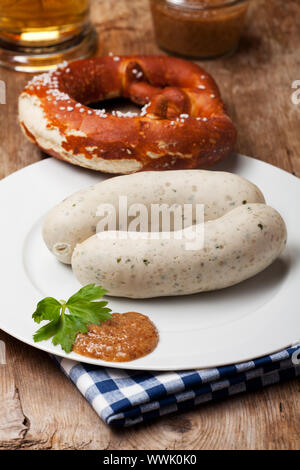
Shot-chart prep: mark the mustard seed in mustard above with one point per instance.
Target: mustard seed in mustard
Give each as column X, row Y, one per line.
column 125, row 337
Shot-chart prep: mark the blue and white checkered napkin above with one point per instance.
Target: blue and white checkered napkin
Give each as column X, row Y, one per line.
column 125, row 397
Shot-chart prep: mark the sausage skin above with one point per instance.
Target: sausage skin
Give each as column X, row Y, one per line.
column 237, row 246
column 74, row 220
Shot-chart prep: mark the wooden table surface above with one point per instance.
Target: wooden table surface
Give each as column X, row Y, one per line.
column 39, row 407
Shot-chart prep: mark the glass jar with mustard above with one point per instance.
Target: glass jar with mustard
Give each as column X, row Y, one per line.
column 198, row 28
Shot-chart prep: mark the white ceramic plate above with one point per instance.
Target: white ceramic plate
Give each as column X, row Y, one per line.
column 254, row 318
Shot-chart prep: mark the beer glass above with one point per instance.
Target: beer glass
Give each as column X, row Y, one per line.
column 36, row 35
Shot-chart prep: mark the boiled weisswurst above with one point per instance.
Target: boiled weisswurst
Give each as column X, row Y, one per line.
column 237, row 246
column 74, row 220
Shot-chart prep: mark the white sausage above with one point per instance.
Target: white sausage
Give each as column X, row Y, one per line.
column 237, row 246
column 75, row 219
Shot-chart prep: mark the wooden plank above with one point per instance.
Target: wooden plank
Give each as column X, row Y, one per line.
column 49, row 413
column 39, row 407
column 13, row 426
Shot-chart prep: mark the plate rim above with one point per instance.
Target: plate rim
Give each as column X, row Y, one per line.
column 132, row 365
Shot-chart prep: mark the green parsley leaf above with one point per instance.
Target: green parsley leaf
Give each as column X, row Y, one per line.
column 90, row 311
column 67, row 319
column 89, row 292
column 47, row 309
column 46, row 331
column 68, row 329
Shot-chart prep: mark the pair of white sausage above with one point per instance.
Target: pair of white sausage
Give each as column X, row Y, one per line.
column 242, row 235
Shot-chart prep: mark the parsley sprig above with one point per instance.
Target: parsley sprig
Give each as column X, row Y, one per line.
column 67, row 319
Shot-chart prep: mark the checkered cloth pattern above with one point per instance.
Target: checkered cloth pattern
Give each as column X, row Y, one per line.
column 125, row 397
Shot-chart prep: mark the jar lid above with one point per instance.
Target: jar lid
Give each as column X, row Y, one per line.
column 203, row 4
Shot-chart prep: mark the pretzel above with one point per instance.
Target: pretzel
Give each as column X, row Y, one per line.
column 183, row 123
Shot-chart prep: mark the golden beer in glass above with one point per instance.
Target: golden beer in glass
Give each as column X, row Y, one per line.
column 38, row 34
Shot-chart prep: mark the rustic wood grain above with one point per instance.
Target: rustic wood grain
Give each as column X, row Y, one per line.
column 39, row 407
